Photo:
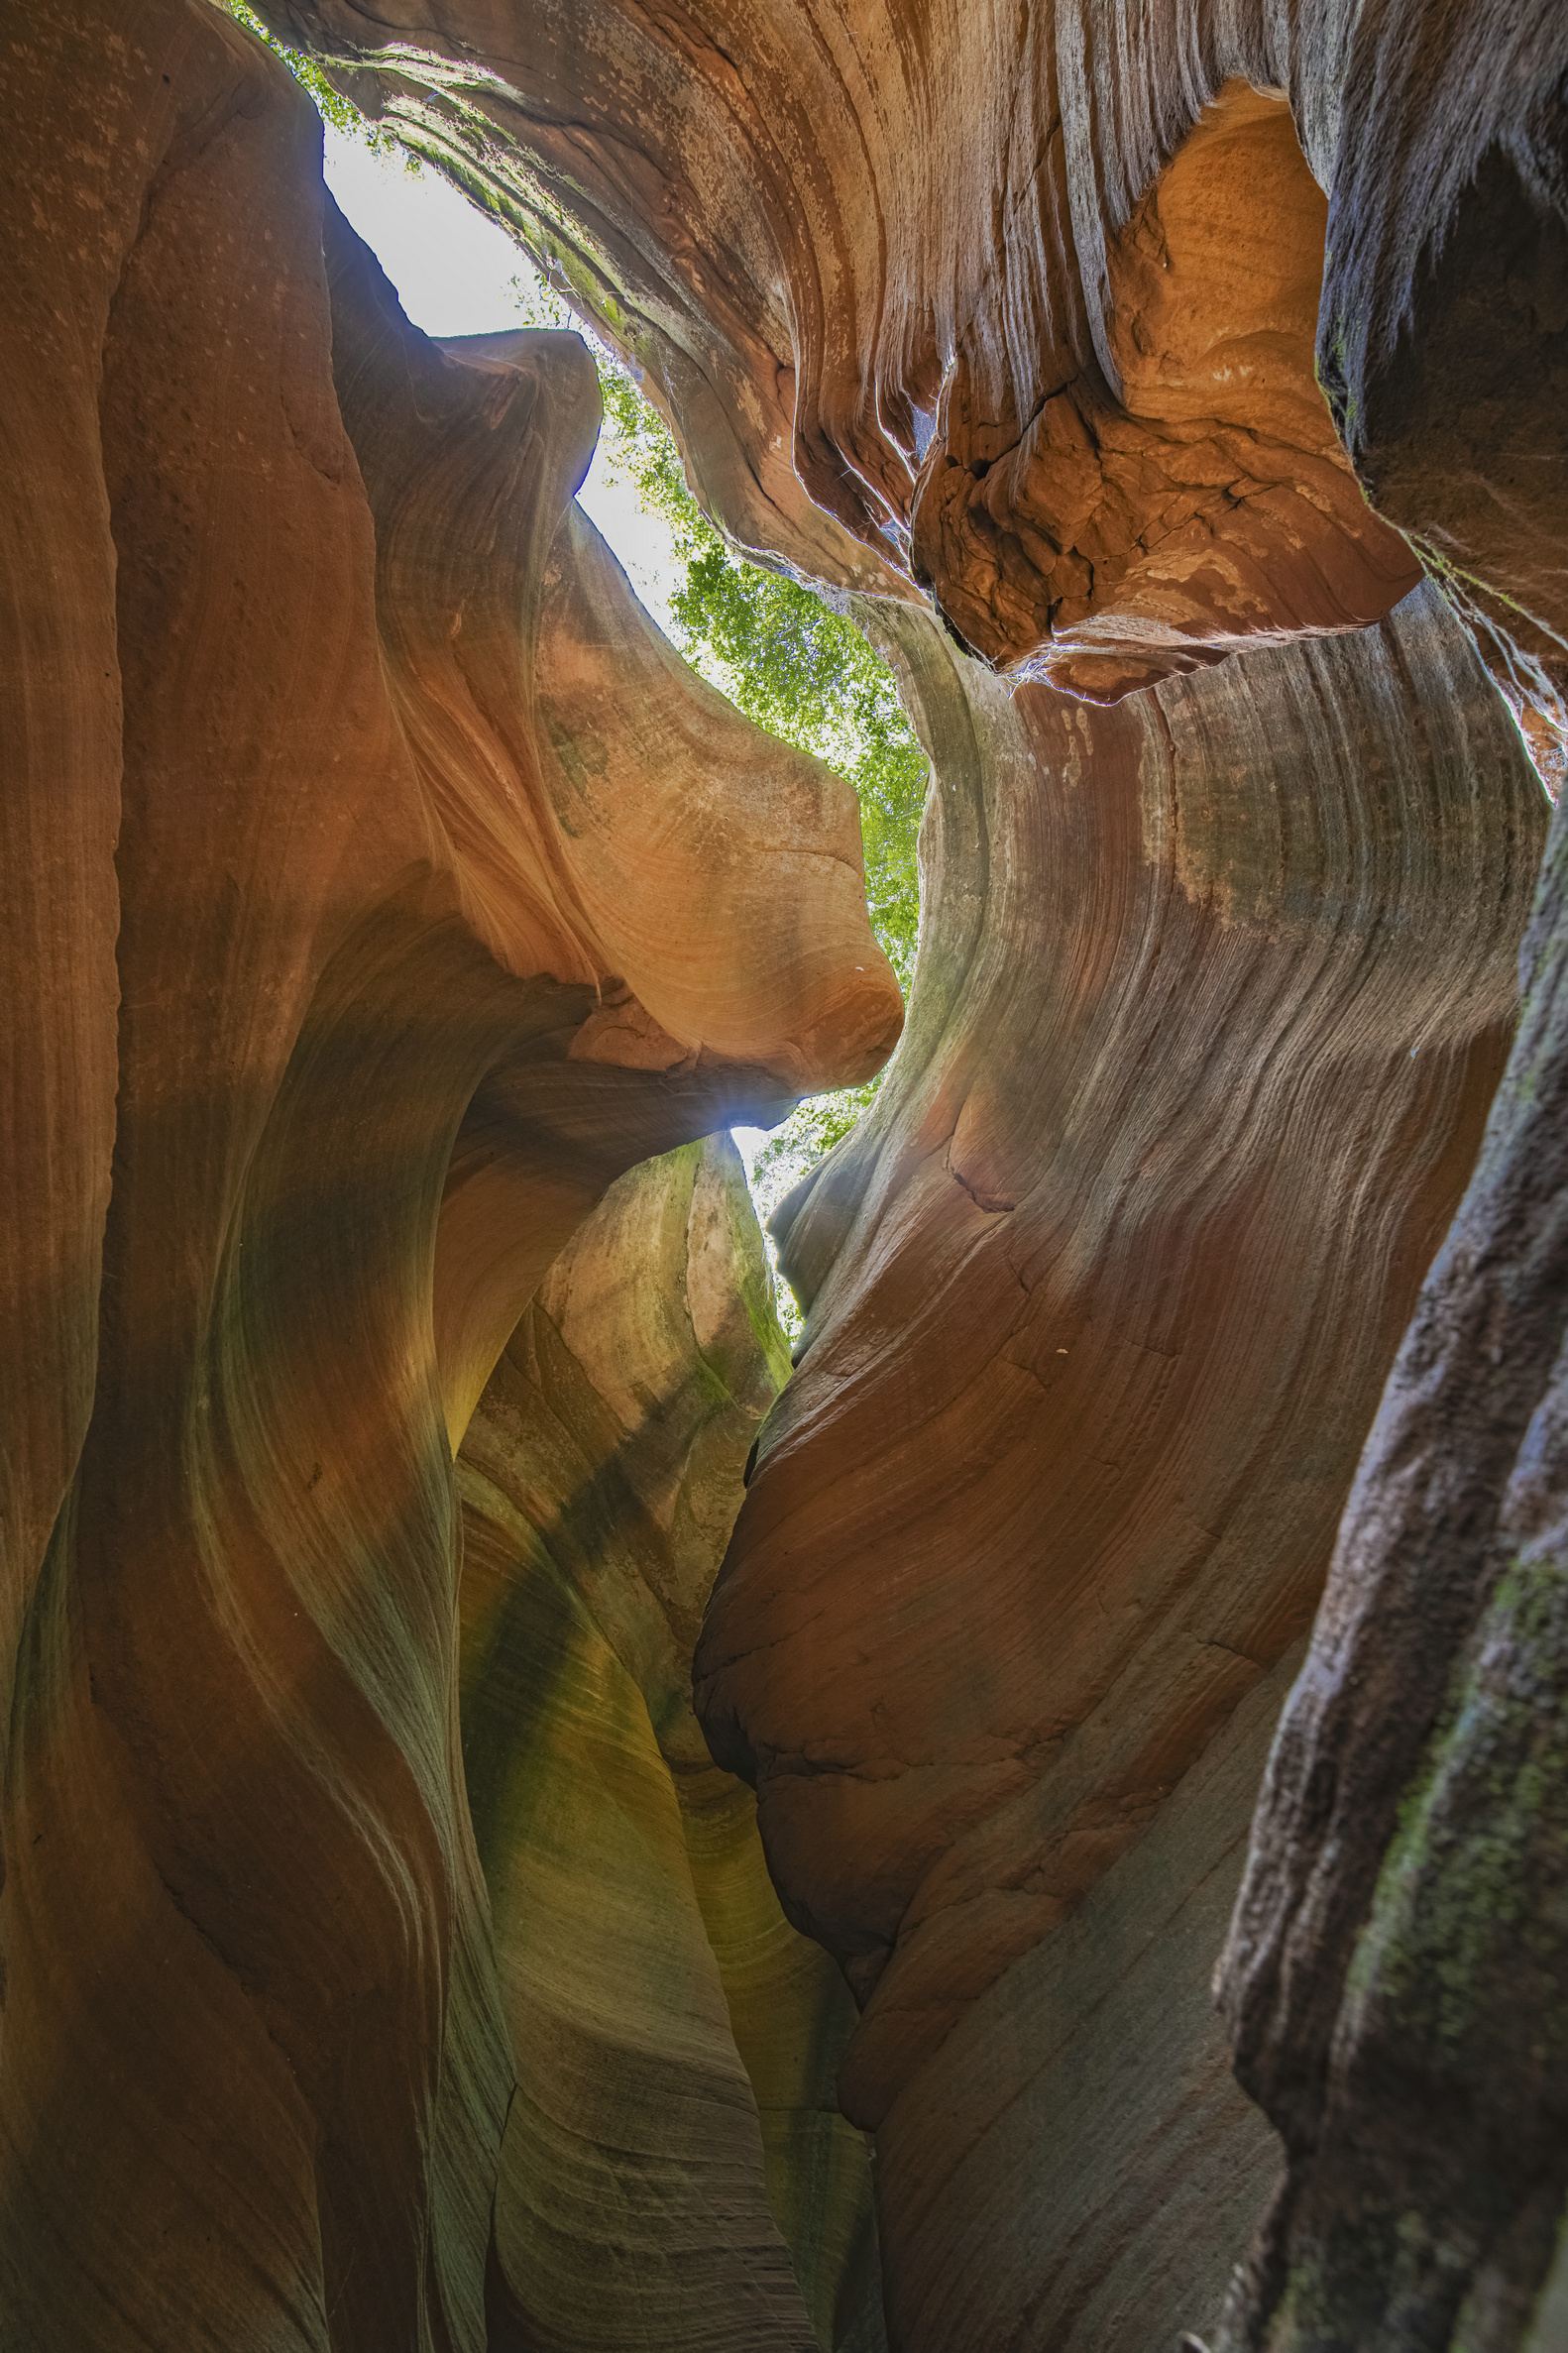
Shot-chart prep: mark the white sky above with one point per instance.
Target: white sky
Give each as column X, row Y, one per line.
column 453, row 270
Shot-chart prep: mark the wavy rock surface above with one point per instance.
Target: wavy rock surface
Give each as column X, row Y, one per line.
column 437, row 894
column 1030, row 295
column 1213, row 992
column 1034, row 296
column 391, row 1017
column 673, row 2142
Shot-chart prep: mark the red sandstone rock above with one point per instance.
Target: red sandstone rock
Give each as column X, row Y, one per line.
column 255, row 2070
column 1015, row 303
column 1029, row 294
column 1214, row 989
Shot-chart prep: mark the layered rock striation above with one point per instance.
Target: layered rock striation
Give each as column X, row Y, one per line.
column 674, row 2171
column 1393, row 1974
column 1214, row 991
column 344, row 759
column 384, row 1964
column 1022, row 305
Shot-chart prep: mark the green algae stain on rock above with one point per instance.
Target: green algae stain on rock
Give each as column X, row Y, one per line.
column 1473, row 1902
column 1430, row 2210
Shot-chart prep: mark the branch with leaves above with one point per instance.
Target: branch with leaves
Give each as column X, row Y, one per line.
column 330, row 104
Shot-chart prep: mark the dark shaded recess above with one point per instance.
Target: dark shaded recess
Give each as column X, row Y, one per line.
column 1460, row 433
column 1393, row 1979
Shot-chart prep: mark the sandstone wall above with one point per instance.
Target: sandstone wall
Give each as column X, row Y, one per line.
column 674, row 2171
column 1021, row 304
column 333, row 1006
column 379, row 889
column 1214, row 989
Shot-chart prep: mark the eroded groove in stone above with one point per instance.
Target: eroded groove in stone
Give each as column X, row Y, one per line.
column 255, row 2068
column 673, row 2165
column 1213, row 994
column 1030, row 295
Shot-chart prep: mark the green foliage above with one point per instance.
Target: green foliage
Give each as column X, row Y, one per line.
column 811, row 1129
column 809, row 676
column 797, row 668
column 329, row 104
column 801, row 671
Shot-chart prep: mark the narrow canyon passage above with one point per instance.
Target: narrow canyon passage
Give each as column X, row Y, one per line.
column 529, row 1821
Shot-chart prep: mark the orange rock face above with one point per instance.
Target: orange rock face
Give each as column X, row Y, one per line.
column 1102, row 1293
column 377, row 961
column 1019, row 306
column 384, row 1965
column 1214, row 506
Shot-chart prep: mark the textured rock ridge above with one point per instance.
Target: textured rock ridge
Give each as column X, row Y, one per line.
column 673, row 2129
column 1214, row 989
column 255, row 2068
column 588, row 790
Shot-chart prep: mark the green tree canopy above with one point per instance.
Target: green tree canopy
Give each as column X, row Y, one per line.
column 810, row 676
column 791, row 663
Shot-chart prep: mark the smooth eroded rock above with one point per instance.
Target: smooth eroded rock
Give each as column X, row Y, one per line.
column 255, row 2068
column 1213, row 992
column 673, row 2172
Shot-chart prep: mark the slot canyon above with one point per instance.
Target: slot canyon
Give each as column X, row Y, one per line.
column 536, row 1817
